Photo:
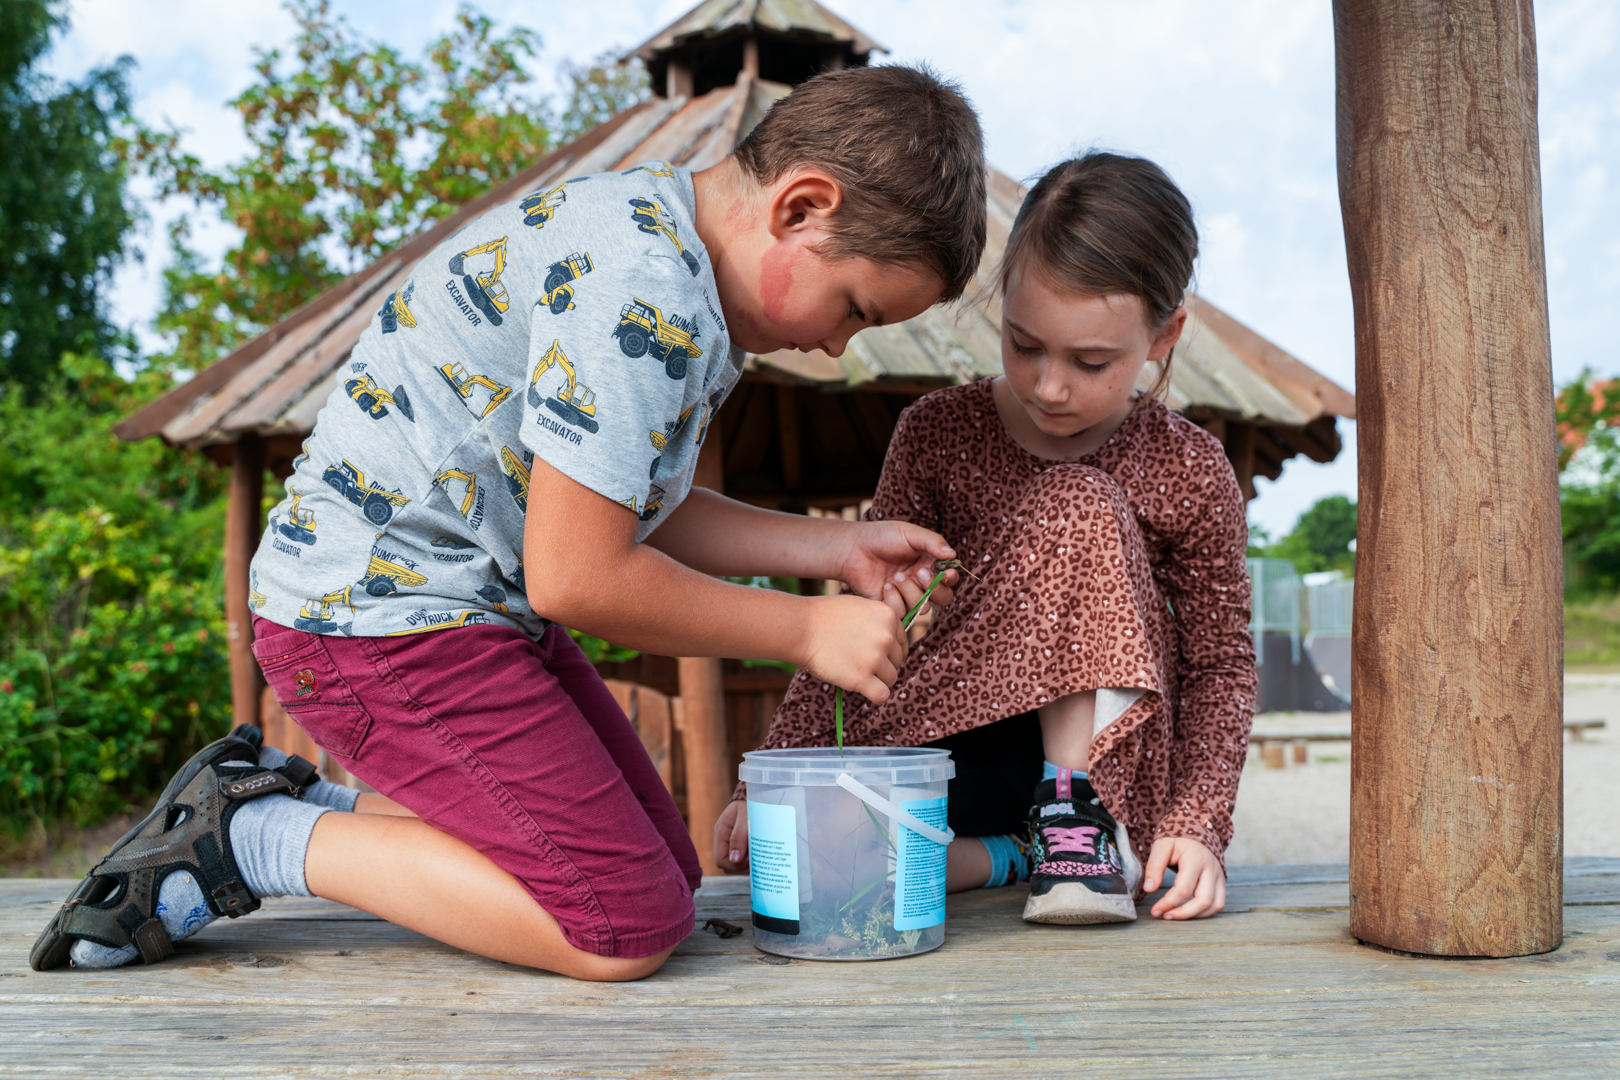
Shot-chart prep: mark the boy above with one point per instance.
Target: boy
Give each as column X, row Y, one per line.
column 510, row 451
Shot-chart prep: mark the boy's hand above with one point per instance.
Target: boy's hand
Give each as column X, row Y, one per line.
column 855, row 643
column 898, row 554
column 731, row 838
column 1200, row 888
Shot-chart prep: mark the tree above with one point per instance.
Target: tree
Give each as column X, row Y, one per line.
column 1588, row 415
column 354, row 149
column 63, row 212
column 1320, row 539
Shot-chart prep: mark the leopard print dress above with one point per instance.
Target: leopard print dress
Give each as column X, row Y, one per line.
column 1124, row 568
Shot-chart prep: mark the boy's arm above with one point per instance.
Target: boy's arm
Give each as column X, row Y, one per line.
column 585, row 570
column 716, row 535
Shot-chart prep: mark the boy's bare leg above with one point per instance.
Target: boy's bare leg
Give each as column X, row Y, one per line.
column 370, row 802
column 1066, row 730
column 404, row 870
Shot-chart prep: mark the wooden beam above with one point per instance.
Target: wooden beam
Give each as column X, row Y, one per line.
column 787, row 430
column 243, row 525
column 1457, row 768
column 709, row 780
column 1240, row 452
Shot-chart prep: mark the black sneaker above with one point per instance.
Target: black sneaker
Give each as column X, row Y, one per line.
column 1083, row 869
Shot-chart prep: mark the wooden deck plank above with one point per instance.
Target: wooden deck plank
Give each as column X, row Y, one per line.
column 1274, row 987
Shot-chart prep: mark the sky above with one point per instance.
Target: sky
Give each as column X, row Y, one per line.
column 1234, row 99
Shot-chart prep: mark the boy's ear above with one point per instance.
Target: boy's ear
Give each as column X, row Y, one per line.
column 804, row 199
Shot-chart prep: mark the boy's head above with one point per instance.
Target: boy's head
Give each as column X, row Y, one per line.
column 863, row 200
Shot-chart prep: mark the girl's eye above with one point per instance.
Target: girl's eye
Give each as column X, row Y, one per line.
column 1091, row 369
column 1024, row 350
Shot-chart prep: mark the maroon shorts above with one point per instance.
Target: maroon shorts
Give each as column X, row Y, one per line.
column 515, row 747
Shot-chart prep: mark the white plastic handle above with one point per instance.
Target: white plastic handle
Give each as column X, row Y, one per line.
column 893, row 812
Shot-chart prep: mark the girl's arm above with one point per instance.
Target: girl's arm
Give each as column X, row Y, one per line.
column 1206, row 579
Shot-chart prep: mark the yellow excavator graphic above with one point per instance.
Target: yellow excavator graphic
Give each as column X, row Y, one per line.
column 574, row 401
column 374, row 400
column 466, row 618
column 463, row 384
column 256, row 599
column 383, row 578
column 396, row 310
column 541, row 207
column 649, row 218
column 654, row 504
column 495, row 596
column 517, row 477
column 300, row 524
column 485, row 290
column 664, row 169
column 559, row 278
column 316, row 614
column 376, row 503
column 642, row 329
column 470, row 479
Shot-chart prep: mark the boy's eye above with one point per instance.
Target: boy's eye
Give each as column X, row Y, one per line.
column 856, row 313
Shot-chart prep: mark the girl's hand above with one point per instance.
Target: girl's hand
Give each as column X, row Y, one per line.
column 898, row 554
column 855, row 643
column 731, row 838
column 1200, row 888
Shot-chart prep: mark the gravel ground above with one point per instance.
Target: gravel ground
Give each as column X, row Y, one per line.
column 1302, row 813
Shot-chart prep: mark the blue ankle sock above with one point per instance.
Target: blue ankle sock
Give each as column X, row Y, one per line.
column 1050, row 772
column 1009, row 860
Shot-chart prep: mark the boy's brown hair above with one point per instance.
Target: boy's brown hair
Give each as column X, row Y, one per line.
column 906, row 148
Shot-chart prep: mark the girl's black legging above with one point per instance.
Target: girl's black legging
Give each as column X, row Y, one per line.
column 997, row 768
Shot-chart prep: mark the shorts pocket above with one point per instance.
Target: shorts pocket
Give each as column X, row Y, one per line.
column 305, row 679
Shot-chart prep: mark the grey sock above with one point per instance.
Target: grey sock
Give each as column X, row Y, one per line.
column 269, row 837
column 322, row 792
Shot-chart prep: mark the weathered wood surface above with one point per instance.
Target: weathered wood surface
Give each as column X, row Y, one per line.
column 1455, row 806
column 1275, row 987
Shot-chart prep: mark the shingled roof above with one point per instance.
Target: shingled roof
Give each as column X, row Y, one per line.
column 274, row 385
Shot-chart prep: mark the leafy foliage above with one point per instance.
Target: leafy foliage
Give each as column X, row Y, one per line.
column 1589, row 488
column 63, row 213
column 1320, row 539
column 113, row 663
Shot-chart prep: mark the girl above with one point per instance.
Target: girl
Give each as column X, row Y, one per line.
column 1100, row 653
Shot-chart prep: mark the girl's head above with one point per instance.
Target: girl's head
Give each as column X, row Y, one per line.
column 1093, row 281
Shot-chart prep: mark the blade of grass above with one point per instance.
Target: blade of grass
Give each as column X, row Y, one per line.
column 905, row 624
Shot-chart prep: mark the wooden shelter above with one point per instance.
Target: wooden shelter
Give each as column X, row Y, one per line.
column 803, row 431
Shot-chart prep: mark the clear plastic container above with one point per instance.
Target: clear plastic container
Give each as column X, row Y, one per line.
column 847, row 852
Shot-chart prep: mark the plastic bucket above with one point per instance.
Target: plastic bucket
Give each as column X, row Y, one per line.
column 847, row 853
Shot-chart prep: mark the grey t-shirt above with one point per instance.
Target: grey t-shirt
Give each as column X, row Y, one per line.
column 580, row 324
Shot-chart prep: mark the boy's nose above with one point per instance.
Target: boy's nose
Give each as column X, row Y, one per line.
column 834, row 346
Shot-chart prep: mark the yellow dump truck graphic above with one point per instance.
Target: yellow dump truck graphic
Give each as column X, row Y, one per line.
column 651, row 219
column 256, row 599
column 654, row 504
column 643, row 329
column 376, row 503
column 467, row 388
column 517, row 477
column 374, row 400
column 573, row 401
column 541, row 207
column 495, row 596
column 316, row 614
column 560, row 277
column 396, row 311
column 662, row 439
column 446, row 621
column 384, row 578
column 300, row 524
column 484, row 287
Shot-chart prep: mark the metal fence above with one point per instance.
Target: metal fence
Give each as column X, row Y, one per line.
column 1284, row 604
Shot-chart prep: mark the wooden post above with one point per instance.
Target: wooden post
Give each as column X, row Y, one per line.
column 709, row 782
column 1457, row 764
column 243, row 526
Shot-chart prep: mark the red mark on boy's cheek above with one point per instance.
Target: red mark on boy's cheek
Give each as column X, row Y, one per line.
column 775, row 281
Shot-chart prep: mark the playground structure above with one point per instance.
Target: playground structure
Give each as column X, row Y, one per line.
column 1457, row 632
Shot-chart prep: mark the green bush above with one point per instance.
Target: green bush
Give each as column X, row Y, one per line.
column 113, row 665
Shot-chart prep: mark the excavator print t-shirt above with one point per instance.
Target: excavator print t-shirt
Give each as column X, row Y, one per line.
column 580, row 325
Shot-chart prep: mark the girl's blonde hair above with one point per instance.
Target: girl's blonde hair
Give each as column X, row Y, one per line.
column 1108, row 223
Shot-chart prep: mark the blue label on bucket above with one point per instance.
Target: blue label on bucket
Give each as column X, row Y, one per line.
column 773, row 865
column 919, row 872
